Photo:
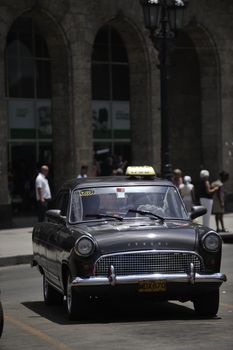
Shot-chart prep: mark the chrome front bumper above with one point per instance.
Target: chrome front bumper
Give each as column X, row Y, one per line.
column 113, row 280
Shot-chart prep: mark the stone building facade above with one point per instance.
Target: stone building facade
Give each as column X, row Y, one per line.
column 55, row 77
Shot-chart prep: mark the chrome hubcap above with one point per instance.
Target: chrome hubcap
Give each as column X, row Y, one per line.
column 69, row 295
column 45, row 287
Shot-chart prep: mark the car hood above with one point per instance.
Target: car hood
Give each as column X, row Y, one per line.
column 142, row 235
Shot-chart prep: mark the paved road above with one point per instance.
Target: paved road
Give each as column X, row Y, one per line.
column 29, row 324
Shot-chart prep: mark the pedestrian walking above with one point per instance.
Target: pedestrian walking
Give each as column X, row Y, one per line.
column 219, row 201
column 187, row 192
column 43, row 193
column 206, row 195
column 177, row 177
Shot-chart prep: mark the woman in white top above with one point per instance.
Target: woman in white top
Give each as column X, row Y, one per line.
column 206, row 192
column 187, row 192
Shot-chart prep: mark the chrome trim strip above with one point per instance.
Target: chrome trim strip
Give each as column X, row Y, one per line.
column 149, row 251
column 134, row 279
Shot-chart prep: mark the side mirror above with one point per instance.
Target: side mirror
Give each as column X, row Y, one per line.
column 197, row 211
column 55, row 215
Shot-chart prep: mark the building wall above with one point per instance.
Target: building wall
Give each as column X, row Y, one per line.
column 5, row 214
column 215, row 19
column 70, row 28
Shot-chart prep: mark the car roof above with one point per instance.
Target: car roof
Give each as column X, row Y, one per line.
column 113, row 181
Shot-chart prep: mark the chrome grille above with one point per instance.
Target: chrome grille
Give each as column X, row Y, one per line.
column 148, row 262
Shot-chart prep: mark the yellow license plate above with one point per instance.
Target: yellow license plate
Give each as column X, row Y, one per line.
column 152, row 286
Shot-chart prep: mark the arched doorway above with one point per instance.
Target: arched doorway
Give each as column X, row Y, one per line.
column 142, row 89
column 194, row 103
column 110, row 100
column 184, row 86
column 39, row 106
column 28, row 91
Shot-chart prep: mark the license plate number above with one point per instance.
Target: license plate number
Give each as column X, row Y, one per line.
column 152, row 286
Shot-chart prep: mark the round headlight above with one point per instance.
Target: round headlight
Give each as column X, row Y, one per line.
column 211, row 242
column 84, row 246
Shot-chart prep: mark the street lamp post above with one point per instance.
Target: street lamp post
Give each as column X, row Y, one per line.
column 163, row 18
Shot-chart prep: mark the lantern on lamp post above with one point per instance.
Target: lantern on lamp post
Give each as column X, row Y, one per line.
column 163, row 18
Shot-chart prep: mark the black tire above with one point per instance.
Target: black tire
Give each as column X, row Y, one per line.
column 74, row 302
column 207, row 305
column 1, row 319
column 51, row 295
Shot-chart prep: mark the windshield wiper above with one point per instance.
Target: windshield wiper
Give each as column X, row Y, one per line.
column 99, row 216
column 145, row 212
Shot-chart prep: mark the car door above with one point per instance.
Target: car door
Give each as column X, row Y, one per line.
column 55, row 247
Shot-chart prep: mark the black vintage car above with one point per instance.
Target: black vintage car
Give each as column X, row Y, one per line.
column 126, row 235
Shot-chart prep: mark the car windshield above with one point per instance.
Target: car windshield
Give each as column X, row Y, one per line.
column 126, row 202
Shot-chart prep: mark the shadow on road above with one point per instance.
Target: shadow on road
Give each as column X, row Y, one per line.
column 116, row 312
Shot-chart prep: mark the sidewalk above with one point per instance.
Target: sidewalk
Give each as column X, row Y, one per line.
column 16, row 243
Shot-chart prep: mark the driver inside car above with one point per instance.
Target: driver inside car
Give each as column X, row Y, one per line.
column 90, row 206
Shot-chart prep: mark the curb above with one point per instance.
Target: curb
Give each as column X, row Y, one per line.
column 16, row 260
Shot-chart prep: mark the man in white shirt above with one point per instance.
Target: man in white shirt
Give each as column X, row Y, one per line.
column 83, row 172
column 43, row 193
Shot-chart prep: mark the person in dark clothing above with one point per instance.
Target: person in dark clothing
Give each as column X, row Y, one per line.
column 107, row 167
column 218, row 201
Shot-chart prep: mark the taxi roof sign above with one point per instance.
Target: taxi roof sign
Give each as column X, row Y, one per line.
column 144, row 170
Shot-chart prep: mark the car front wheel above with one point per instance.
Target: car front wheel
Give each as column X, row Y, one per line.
column 207, row 305
column 51, row 295
column 74, row 302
